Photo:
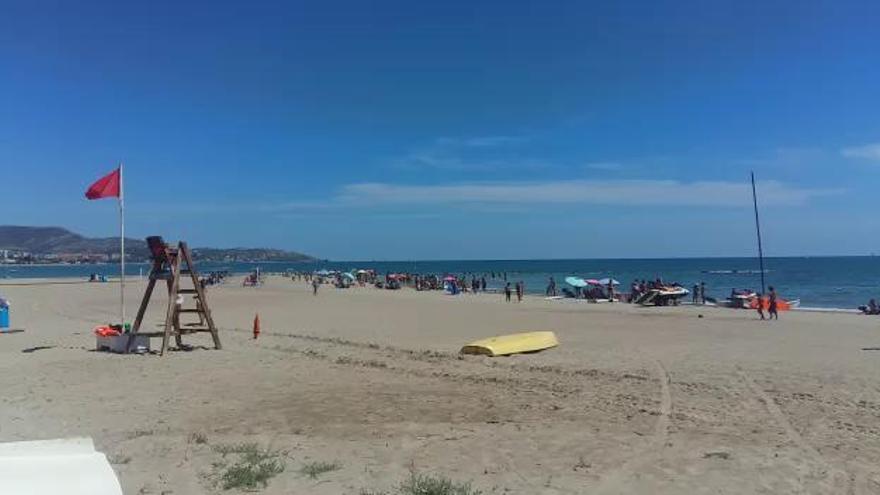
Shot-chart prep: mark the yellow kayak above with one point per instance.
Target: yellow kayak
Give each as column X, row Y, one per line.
column 512, row 344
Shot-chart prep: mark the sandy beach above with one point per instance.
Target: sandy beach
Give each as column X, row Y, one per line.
column 634, row 400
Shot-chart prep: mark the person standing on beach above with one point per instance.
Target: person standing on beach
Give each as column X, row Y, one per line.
column 773, row 310
column 507, row 292
column 483, row 284
column 520, row 288
column 696, row 294
column 702, row 292
column 315, row 285
column 634, row 291
column 551, row 287
column 760, row 306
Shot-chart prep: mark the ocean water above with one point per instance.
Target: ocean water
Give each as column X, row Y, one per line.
column 824, row 282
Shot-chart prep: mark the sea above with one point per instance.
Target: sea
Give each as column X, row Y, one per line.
column 819, row 282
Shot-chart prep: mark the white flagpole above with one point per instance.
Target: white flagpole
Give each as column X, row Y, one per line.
column 121, row 250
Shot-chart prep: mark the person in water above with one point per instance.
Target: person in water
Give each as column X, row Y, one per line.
column 773, row 310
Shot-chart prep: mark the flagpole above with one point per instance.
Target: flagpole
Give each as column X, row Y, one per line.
column 121, row 250
column 758, row 229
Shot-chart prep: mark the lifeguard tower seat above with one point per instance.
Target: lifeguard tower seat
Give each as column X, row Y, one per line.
column 169, row 263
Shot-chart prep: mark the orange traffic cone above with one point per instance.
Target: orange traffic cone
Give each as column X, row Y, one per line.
column 256, row 325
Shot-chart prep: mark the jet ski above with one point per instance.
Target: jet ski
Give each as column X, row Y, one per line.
column 662, row 296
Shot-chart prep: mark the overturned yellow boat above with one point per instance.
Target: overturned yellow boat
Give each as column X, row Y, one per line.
column 512, row 344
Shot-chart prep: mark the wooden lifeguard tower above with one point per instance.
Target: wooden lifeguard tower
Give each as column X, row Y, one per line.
column 169, row 264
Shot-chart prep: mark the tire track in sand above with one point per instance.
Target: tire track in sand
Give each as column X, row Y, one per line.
column 853, row 486
column 645, row 454
column 653, row 449
column 661, row 428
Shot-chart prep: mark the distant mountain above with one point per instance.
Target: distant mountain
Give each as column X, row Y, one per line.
column 56, row 240
column 49, row 241
column 247, row 254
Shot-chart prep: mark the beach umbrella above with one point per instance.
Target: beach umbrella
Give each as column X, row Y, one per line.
column 606, row 281
column 349, row 276
column 593, row 281
column 575, row 282
column 450, row 278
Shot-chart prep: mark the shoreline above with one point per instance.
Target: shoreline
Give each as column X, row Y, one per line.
column 837, row 285
column 236, row 277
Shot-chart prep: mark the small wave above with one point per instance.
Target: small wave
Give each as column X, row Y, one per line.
column 734, row 272
column 826, row 310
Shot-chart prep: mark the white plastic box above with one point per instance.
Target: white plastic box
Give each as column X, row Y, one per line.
column 119, row 343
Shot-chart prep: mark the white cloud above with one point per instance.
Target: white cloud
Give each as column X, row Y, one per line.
column 481, row 141
column 604, row 166
column 474, row 154
column 485, row 141
column 567, row 192
column 866, row 152
column 412, row 200
column 430, row 160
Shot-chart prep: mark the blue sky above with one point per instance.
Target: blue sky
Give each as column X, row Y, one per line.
column 417, row 130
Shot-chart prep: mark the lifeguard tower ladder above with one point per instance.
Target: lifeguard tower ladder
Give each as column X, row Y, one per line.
column 169, row 264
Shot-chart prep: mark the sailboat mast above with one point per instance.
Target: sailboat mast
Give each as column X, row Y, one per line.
column 758, row 229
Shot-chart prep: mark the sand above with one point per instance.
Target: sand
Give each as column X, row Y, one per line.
column 634, row 400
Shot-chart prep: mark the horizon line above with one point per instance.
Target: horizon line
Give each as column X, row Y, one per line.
column 870, row 255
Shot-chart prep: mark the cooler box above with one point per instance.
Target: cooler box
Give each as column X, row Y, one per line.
column 4, row 318
column 118, row 343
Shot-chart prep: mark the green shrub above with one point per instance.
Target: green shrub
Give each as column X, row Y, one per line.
column 315, row 469
column 419, row 484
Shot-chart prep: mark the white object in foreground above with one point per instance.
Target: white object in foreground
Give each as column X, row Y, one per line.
column 120, row 343
column 47, row 467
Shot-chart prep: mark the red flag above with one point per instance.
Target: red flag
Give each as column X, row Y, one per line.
column 106, row 187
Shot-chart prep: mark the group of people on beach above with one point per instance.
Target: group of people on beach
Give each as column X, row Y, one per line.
column 304, row 276
column 772, row 305
column 638, row 288
column 476, row 283
column 462, row 283
column 520, row 290
column 213, row 278
column 872, row 308
column 699, row 293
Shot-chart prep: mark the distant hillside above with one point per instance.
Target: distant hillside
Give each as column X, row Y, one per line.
column 247, row 254
column 56, row 240
column 43, row 241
